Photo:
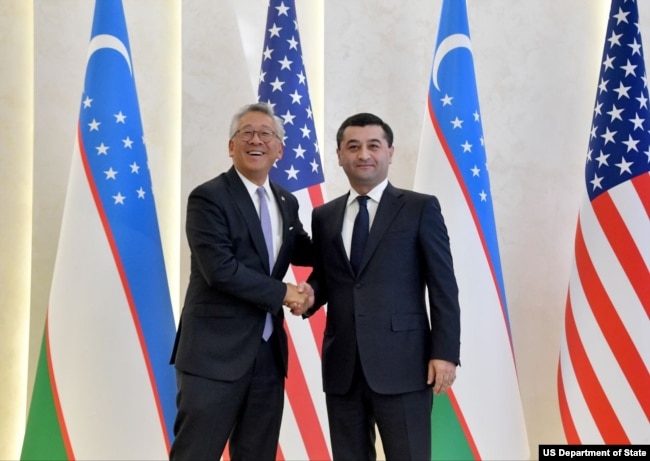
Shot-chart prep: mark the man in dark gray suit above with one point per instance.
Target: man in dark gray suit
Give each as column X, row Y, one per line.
column 243, row 232
column 383, row 351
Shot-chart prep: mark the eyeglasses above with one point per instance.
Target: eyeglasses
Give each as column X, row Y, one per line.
column 264, row 135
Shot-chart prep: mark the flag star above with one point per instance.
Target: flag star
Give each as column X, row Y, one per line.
column 615, row 113
column 119, row 117
column 135, row 168
column 314, row 166
column 482, row 141
column 102, row 149
column 597, row 108
column 141, row 193
column 602, row 87
column 288, row 118
column 467, row 147
column 457, row 123
column 446, row 101
column 110, row 173
column 608, row 136
column 293, row 44
column 300, row 152
column 596, row 182
column 301, row 78
column 305, row 131
column 477, row 116
column 296, row 97
column 614, row 39
column 316, row 149
column 608, row 62
column 631, row 143
column 292, row 173
column 277, row 84
column 282, row 9
column 643, row 101
column 589, row 155
column 87, row 102
column 629, row 68
column 621, row 16
column 119, row 199
column 593, row 131
column 636, row 47
column 624, row 166
column 262, row 77
column 475, row 171
column 483, row 196
column 285, row 63
column 275, row 30
column 602, row 159
column 647, row 154
column 637, row 122
column 94, row 125
column 309, row 113
column 128, row 144
column 622, row 90
column 267, row 53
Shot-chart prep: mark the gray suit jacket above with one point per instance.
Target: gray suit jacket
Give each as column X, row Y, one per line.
column 382, row 312
column 229, row 292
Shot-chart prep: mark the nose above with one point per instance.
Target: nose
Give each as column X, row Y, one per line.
column 363, row 153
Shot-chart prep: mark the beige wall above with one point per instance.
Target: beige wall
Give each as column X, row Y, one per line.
column 195, row 63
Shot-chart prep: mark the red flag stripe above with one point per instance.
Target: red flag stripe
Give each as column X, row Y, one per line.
column 606, row 314
column 642, row 185
column 570, row 430
column 599, row 405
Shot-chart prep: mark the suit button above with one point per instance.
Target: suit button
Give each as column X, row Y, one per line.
column 358, row 285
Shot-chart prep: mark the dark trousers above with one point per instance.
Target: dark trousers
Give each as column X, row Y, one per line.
column 403, row 421
column 246, row 413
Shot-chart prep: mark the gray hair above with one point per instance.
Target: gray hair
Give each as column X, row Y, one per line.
column 262, row 107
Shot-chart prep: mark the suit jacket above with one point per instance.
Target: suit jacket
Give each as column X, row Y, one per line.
column 382, row 311
column 230, row 291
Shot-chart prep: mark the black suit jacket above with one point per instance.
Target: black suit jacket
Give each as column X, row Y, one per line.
column 230, row 291
column 382, row 311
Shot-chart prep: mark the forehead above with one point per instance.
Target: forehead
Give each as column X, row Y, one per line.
column 255, row 119
column 363, row 134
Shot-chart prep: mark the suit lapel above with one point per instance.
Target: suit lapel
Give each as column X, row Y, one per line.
column 287, row 222
column 390, row 204
column 244, row 204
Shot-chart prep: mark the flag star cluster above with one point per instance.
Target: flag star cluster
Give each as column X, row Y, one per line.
column 619, row 142
column 460, row 122
column 111, row 133
column 283, row 84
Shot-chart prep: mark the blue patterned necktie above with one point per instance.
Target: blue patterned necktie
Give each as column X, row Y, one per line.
column 359, row 233
column 265, row 220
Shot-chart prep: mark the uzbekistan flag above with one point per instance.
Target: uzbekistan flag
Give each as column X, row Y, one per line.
column 104, row 388
column 603, row 374
column 283, row 84
column 481, row 417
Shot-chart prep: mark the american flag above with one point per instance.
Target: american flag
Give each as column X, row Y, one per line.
column 104, row 389
column 283, row 84
column 603, row 377
column 483, row 418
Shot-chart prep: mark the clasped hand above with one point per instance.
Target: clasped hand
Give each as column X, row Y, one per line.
column 299, row 297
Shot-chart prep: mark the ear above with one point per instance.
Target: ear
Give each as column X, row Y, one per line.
column 231, row 147
column 338, row 155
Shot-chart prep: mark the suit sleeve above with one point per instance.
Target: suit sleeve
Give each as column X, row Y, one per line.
column 441, row 284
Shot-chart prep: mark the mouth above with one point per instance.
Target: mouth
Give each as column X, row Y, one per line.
column 256, row 153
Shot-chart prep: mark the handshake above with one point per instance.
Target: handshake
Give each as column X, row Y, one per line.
column 299, row 297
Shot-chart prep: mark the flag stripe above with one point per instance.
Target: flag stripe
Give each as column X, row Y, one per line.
column 597, row 401
column 605, row 312
column 124, row 281
column 55, row 398
column 570, row 431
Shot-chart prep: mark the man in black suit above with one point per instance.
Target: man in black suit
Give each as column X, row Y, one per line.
column 230, row 373
column 382, row 349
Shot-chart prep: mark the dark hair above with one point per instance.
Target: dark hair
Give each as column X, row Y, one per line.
column 364, row 119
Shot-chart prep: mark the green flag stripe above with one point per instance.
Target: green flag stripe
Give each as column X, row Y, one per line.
column 43, row 439
column 448, row 441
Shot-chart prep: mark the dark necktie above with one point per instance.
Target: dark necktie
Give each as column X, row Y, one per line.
column 265, row 220
column 359, row 233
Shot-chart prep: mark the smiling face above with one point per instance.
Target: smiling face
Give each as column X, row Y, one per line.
column 365, row 156
column 255, row 158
